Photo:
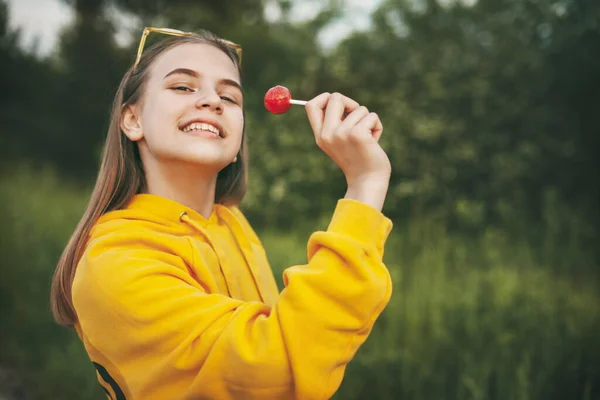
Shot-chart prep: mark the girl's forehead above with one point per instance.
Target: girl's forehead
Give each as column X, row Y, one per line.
column 203, row 58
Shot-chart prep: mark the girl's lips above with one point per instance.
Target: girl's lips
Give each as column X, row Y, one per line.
column 195, row 122
column 203, row 134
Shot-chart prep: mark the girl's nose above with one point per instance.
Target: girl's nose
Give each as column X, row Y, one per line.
column 211, row 100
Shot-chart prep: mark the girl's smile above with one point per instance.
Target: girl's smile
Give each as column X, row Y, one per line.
column 209, row 129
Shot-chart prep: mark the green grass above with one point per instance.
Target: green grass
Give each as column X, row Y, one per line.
column 484, row 318
column 473, row 319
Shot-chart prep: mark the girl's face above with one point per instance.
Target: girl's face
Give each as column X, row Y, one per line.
column 191, row 109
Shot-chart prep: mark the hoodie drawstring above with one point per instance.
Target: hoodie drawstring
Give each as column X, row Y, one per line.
column 230, row 281
column 244, row 244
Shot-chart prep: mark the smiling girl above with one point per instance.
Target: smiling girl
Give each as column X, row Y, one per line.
column 165, row 281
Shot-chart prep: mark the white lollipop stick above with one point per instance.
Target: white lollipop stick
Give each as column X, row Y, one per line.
column 298, row 102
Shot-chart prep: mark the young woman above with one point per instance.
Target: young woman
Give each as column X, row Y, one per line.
column 164, row 280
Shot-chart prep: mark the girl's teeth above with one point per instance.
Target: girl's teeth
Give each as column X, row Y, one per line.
column 201, row 126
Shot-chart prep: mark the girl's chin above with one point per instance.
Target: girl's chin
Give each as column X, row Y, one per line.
column 207, row 162
column 189, row 155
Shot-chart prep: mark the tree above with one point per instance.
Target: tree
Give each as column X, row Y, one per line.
column 90, row 65
column 474, row 100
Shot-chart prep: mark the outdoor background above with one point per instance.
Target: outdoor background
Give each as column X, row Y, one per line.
column 492, row 122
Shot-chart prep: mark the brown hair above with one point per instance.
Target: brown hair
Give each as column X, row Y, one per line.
column 121, row 173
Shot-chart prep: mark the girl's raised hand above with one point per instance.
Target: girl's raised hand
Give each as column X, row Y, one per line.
column 349, row 134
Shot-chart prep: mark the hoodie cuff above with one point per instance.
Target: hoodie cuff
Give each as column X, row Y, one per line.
column 362, row 222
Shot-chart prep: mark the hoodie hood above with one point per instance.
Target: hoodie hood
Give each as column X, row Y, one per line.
column 224, row 238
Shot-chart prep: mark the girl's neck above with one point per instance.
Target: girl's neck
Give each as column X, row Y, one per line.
column 187, row 184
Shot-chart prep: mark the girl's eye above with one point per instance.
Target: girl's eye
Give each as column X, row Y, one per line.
column 183, row 89
column 228, row 99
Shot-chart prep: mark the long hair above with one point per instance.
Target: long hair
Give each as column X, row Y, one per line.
column 121, row 173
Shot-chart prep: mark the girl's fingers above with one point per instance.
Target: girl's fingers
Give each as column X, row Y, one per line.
column 331, row 113
column 337, row 105
column 377, row 128
column 315, row 109
column 369, row 123
column 352, row 119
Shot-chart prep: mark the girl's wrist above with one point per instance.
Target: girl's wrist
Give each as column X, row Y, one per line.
column 372, row 193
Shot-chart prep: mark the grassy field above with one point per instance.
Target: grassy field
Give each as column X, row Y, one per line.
column 484, row 318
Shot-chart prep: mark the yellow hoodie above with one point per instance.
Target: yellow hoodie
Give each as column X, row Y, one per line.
column 172, row 305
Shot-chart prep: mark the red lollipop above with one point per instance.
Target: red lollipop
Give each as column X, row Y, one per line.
column 278, row 100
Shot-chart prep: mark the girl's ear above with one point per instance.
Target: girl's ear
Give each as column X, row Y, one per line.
column 130, row 124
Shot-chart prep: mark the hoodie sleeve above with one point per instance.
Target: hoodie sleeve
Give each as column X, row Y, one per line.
column 164, row 336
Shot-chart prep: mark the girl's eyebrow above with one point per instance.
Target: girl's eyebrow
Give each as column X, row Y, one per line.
column 194, row 74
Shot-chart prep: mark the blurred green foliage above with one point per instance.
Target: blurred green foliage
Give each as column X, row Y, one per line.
column 488, row 109
column 491, row 124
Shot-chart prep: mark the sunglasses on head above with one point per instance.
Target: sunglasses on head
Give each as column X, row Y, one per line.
column 175, row 32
